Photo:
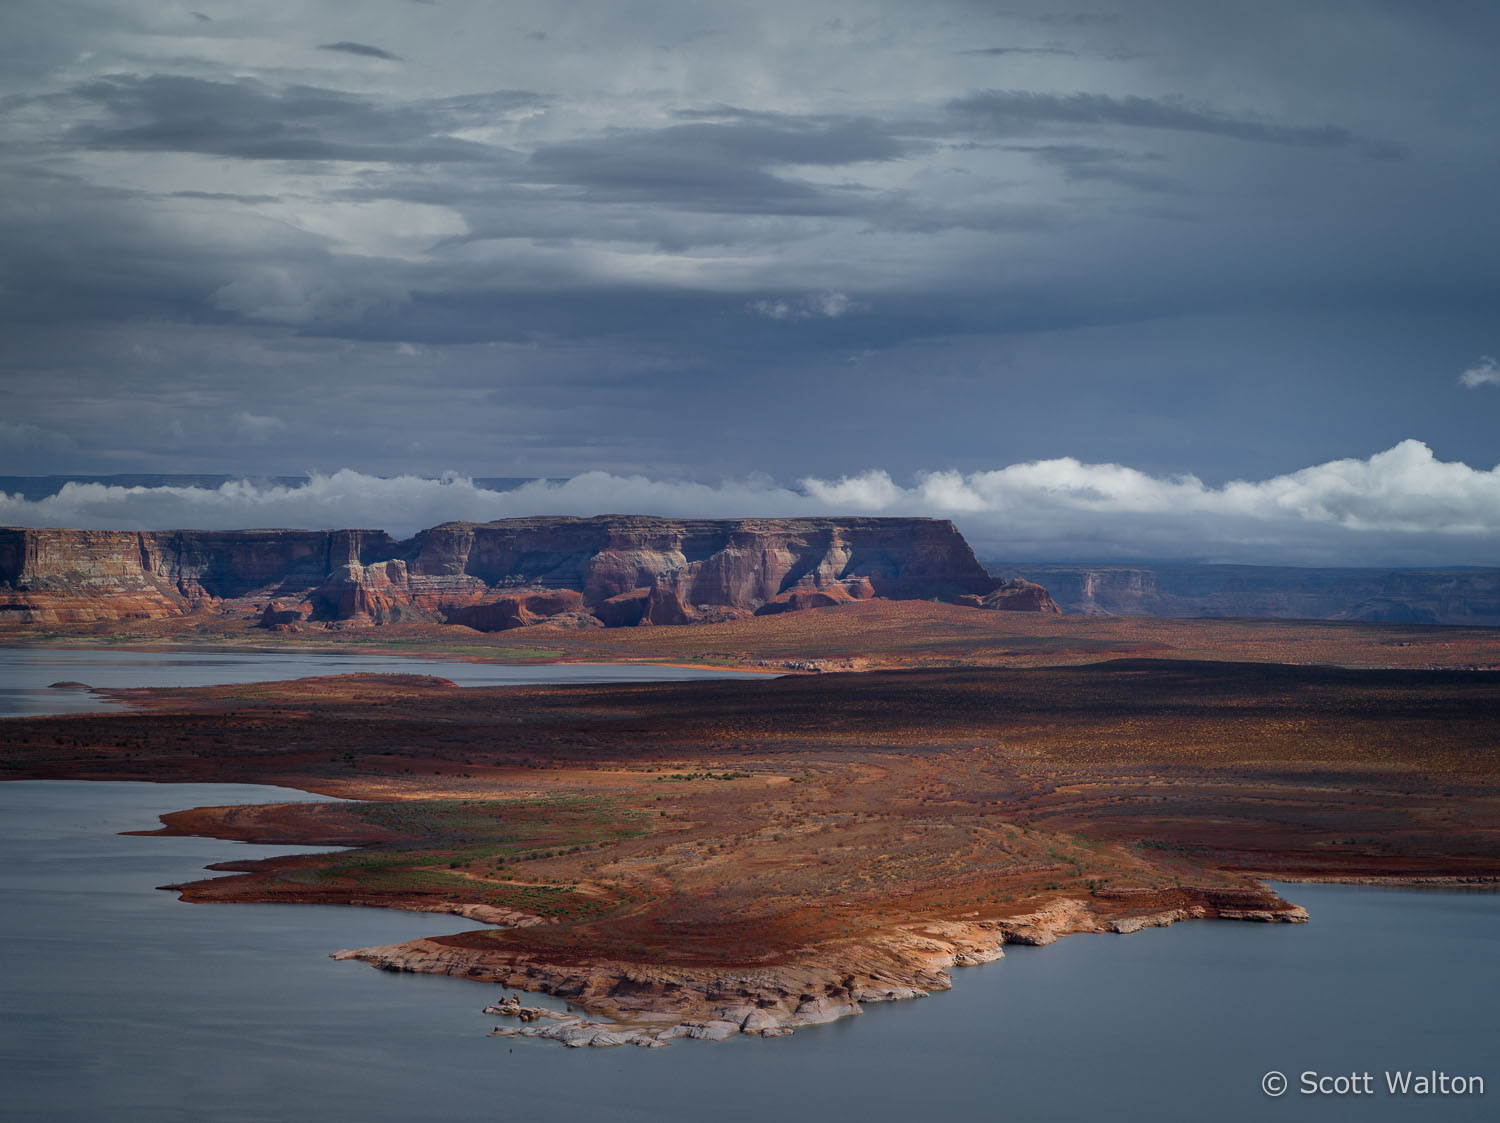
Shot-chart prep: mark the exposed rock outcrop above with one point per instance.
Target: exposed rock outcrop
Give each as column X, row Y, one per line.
column 1016, row 595
column 615, row 570
column 652, row 1005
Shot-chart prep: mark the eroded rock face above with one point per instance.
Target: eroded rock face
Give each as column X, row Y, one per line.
column 1017, row 595
column 618, row 570
column 1431, row 596
column 652, row 1005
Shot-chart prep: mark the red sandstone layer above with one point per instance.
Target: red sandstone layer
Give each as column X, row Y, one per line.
column 609, row 571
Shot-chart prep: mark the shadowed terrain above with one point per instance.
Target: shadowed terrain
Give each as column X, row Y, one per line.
column 839, row 837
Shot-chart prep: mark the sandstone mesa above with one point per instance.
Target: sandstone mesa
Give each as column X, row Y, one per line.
column 607, row 571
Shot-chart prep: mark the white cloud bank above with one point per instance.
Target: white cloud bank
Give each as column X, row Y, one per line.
column 1401, row 506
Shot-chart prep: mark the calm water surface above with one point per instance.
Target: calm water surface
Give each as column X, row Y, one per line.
column 27, row 673
column 122, row 1003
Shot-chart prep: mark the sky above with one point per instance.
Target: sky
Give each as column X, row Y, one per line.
column 1167, row 278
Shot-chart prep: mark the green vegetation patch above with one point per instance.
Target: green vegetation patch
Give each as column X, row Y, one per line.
column 505, row 826
column 464, row 850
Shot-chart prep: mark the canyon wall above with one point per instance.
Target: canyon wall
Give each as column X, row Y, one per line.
column 613, row 570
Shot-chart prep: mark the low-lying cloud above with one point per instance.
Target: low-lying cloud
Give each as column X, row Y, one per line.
column 1400, row 506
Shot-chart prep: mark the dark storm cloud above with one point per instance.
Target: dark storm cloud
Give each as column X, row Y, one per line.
column 778, row 236
column 102, row 254
column 998, row 51
column 483, row 107
column 780, row 138
column 1079, row 162
column 1109, row 55
column 85, row 256
column 253, row 120
column 723, row 165
column 224, row 196
column 1077, row 19
column 1009, row 112
column 364, row 50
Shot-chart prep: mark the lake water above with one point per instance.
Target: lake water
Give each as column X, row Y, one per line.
column 26, row 673
column 119, row 1002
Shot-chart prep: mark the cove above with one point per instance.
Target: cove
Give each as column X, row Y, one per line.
column 27, row 673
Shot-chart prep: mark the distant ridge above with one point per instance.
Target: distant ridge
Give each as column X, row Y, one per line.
column 1448, row 596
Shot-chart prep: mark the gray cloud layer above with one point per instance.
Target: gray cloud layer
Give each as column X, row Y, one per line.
column 363, row 50
column 693, row 241
column 252, row 120
column 1006, row 113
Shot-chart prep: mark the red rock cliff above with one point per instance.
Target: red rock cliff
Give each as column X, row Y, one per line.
column 611, row 570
